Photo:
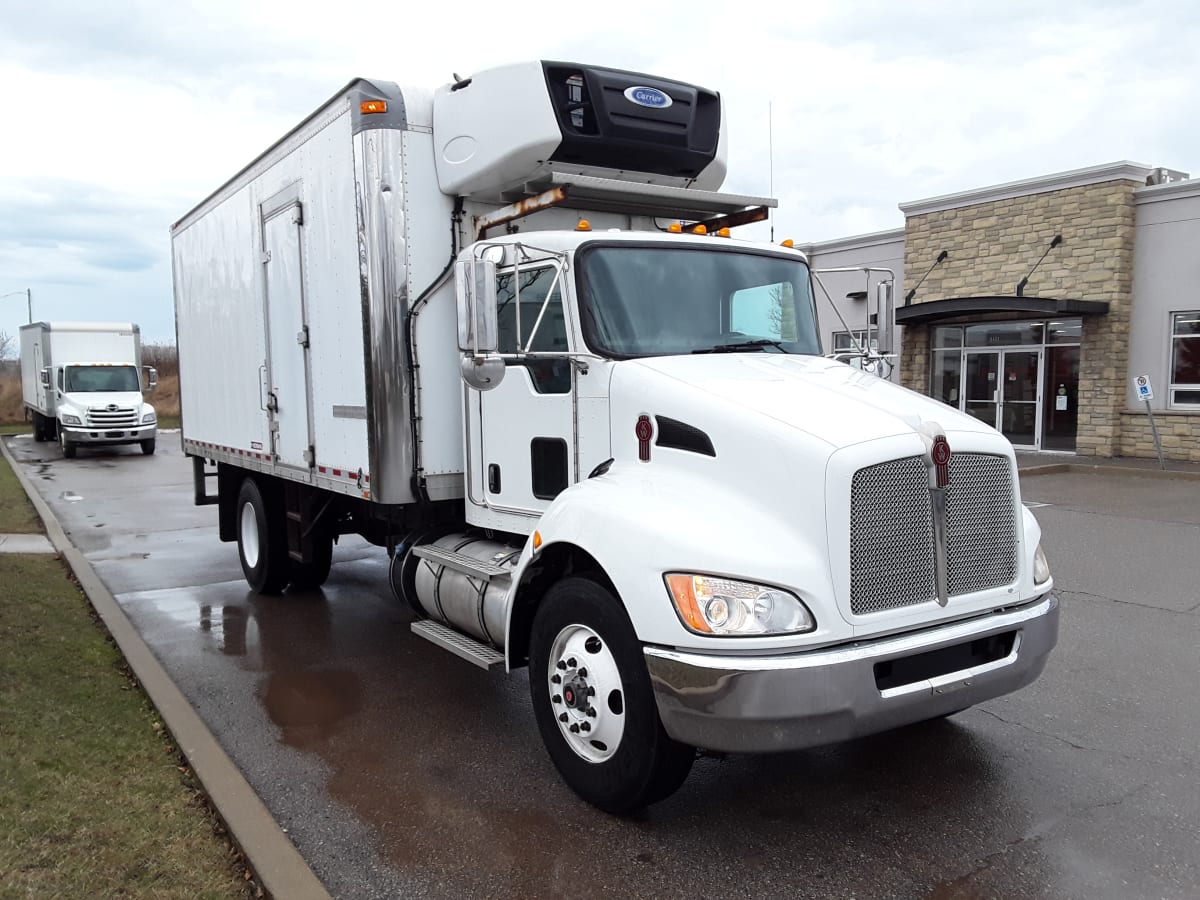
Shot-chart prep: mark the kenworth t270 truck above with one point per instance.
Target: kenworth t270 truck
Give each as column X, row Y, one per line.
column 83, row 383
column 501, row 330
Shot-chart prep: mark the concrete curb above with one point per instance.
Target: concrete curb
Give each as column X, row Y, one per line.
column 1118, row 471
column 280, row 868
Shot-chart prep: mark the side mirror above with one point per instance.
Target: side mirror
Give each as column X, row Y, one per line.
column 151, row 378
column 475, row 289
column 482, row 372
column 884, row 316
column 45, row 377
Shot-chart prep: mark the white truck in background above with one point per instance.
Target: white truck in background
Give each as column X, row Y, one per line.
column 500, row 329
column 83, row 383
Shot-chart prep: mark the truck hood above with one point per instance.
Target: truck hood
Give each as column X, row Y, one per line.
column 823, row 398
column 101, row 399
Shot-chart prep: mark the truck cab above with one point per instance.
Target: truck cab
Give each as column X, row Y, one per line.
column 101, row 403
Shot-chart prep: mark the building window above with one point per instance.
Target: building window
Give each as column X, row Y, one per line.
column 849, row 341
column 1185, row 359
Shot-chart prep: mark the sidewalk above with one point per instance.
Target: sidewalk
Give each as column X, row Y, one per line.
column 1029, row 463
column 25, row 543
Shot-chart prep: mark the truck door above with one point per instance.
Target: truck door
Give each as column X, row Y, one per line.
column 524, row 452
column 289, row 402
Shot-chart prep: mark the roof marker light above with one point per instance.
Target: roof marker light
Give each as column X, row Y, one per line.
column 584, row 225
column 787, row 243
column 724, row 232
column 700, row 229
column 369, row 107
column 675, row 228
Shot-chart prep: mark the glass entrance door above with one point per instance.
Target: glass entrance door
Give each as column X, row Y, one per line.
column 1020, row 392
column 1002, row 388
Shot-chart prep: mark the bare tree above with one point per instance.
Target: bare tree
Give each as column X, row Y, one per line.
column 7, row 345
column 782, row 314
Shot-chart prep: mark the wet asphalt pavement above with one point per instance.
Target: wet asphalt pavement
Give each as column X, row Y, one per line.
column 399, row 770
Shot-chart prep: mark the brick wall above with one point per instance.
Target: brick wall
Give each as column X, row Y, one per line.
column 1179, row 432
column 993, row 245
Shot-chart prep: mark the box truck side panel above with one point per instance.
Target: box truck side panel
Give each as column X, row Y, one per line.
column 36, row 354
column 219, row 317
column 427, row 238
column 334, row 300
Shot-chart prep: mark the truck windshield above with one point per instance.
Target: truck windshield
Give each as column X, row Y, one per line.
column 658, row 301
column 102, row 378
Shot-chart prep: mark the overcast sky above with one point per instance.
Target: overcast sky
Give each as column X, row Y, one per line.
column 117, row 117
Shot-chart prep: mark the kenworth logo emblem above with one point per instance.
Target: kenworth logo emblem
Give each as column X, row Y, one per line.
column 648, row 96
column 112, row 407
column 941, row 459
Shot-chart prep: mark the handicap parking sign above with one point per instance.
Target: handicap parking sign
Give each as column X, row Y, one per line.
column 1143, row 388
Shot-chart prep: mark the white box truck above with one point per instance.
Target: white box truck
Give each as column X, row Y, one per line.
column 500, row 329
column 83, row 383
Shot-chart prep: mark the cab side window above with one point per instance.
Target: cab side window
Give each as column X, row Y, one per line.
column 549, row 376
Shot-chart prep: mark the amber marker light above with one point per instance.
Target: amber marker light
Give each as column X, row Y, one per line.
column 789, row 243
column 724, row 232
column 683, row 592
column 584, row 225
column 675, row 228
column 700, row 229
column 537, row 540
column 368, row 107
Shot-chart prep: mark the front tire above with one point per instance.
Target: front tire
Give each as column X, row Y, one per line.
column 594, row 703
column 262, row 541
column 147, row 447
column 68, row 447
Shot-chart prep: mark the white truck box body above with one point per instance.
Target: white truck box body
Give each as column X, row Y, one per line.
column 56, row 344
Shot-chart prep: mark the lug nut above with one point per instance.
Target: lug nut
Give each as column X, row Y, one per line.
column 571, row 662
column 556, row 679
column 574, row 728
column 583, row 673
column 585, row 727
column 591, row 692
column 556, row 699
column 563, row 717
column 562, row 665
column 591, row 712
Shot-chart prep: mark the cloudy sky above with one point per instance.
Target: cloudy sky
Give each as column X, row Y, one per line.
column 116, row 117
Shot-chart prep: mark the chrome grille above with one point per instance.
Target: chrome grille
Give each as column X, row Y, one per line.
column 120, row 417
column 891, row 531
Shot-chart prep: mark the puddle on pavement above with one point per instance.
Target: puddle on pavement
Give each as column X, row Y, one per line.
column 308, row 705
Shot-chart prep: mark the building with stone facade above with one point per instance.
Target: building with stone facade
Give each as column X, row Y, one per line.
column 1033, row 306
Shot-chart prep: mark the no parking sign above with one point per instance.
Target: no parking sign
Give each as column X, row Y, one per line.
column 1143, row 388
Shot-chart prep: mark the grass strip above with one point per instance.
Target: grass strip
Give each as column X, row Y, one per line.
column 17, row 515
column 95, row 801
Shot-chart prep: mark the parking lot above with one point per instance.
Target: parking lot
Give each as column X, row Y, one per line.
column 398, row 770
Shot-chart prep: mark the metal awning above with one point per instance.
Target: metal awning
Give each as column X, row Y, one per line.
column 1035, row 307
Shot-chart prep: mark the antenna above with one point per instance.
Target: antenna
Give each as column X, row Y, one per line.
column 771, row 166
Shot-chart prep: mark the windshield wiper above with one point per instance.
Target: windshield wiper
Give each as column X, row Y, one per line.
column 744, row 347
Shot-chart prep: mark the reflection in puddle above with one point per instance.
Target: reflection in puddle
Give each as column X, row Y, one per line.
column 308, row 705
column 228, row 627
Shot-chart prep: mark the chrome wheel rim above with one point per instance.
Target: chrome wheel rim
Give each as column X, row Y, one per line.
column 587, row 697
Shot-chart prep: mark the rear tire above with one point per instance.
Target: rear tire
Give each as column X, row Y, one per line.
column 68, row 448
column 147, row 447
column 311, row 575
column 262, row 541
column 582, row 636
column 39, row 427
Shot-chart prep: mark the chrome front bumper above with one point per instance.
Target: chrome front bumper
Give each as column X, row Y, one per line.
column 128, row 434
column 767, row 703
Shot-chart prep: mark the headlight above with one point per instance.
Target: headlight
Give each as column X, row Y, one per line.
column 70, row 420
column 722, row 606
column 1041, row 568
column 149, row 418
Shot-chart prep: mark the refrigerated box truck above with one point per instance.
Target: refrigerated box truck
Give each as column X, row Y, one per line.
column 83, row 383
column 501, row 329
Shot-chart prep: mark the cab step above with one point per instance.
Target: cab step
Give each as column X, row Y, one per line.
column 482, row 655
column 460, row 562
